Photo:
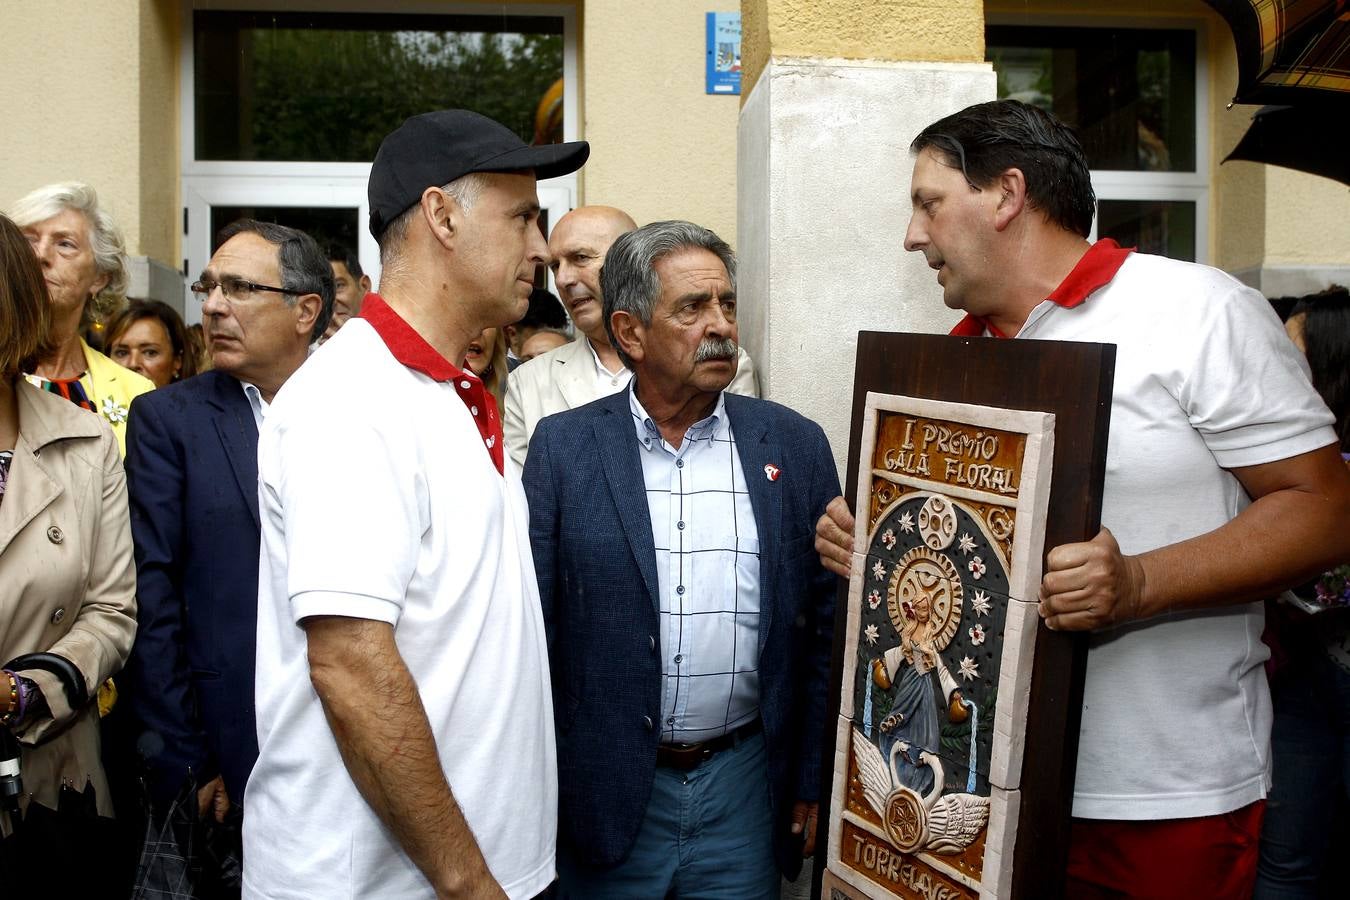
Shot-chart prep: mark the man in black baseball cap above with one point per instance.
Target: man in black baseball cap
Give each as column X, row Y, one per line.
column 382, row 773
column 436, row 148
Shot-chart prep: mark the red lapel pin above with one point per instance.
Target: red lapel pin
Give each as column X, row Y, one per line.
column 771, row 471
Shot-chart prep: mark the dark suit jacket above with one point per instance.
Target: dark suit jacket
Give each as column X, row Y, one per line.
column 192, row 473
column 591, row 534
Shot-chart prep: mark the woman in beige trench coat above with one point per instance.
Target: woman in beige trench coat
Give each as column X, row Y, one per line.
column 67, row 579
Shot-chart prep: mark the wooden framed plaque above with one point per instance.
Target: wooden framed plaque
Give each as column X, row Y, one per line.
column 955, row 712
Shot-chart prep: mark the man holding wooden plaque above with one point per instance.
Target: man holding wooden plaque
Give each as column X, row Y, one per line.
column 1223, row 486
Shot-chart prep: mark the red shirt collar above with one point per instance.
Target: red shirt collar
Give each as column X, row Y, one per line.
column 408, row 347
column 1094, row 271
column 976, row 326
column 413, row 351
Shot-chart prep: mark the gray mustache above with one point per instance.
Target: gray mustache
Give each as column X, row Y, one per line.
column 715, row 348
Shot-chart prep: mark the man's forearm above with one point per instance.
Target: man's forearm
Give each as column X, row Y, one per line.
column 382, row 731
column 1283, row 538
column 1294, row 528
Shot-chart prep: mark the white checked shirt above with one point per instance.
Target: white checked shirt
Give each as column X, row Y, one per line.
column 707, row 567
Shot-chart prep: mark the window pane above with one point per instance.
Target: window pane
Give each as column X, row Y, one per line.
column 1130, row 93
column 328, row 87
column 1164, row 227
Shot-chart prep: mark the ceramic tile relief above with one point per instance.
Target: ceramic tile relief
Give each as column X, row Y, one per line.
column 938, row 648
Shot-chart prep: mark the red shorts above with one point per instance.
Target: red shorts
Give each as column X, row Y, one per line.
column 1210, row 857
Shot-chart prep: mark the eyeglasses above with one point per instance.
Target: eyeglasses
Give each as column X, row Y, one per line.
column 233, row 289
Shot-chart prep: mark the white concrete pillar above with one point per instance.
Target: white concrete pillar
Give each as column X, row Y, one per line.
column 823, row 188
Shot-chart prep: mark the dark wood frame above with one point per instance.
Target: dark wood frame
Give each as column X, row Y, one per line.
column 1073, row 381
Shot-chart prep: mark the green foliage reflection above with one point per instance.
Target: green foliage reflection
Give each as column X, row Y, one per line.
column 321, row 94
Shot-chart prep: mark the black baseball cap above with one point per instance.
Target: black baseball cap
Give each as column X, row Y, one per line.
column 435, row 148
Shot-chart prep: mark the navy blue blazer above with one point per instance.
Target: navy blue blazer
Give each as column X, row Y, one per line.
column 192, row 479
column 590, row 531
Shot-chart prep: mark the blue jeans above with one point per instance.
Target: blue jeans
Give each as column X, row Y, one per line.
column 707, row 835
column 1310, row 744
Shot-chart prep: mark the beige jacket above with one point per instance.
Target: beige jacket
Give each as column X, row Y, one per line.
column 564, row 379
column 67, row 580
column 110, row 388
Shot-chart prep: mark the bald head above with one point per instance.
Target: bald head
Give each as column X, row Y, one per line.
column 597, row 220
column 578, row 246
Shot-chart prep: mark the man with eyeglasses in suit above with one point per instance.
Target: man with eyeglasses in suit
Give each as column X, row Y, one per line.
column 192, row 474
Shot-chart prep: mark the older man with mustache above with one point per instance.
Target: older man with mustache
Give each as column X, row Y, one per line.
column 689, row 619
column 590, row 367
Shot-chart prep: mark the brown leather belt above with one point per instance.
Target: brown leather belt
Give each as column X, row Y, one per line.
column 688, row 756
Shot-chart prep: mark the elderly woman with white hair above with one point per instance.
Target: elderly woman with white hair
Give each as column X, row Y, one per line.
column 83, row 261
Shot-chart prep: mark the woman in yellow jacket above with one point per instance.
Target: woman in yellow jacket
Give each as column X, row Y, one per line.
column 83, row 260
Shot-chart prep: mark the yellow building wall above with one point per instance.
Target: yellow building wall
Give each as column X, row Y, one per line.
column 90, row 94
column 661, row 148
column 919, row 30
column 1238, row 200
column 160, row 221
column 96, row 99
column 1307, row 220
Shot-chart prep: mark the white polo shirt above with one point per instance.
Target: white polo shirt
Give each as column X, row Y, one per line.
column 381, row 498
column 1176, row 711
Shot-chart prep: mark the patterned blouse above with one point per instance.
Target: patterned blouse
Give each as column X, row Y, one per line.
column 6, row 456
column 70, row 388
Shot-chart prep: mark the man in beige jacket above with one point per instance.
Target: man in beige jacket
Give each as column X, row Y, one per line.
column 588, row 368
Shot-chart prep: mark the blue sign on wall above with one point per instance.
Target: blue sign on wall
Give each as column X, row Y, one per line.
column 724, row 53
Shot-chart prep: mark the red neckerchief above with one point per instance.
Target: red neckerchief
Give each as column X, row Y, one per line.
column 1094, row 271
column 413, row 351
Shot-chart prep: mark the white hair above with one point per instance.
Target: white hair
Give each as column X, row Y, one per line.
column 105, row 238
